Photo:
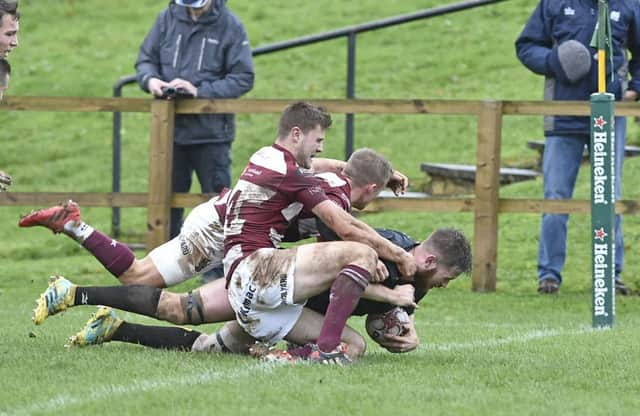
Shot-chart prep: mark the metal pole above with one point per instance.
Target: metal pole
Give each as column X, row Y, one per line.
column 117, row 152
column 351, row 87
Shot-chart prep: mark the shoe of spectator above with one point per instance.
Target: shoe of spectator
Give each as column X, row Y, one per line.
column 548, row 285
column 621, row 288
column 54, row 218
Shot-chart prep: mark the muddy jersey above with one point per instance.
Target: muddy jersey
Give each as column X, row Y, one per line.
column 319, row 303
column 338, row 190
column 271, row 192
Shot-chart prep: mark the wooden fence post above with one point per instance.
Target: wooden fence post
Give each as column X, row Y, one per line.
column 160, row 158
column 487, row 188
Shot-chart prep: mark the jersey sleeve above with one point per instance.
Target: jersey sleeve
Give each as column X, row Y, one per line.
column 306, row 189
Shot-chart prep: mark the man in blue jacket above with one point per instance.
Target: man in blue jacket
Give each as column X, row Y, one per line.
column 555, row 43
column 197, row 48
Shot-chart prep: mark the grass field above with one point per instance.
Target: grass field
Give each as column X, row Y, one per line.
column 510, row 352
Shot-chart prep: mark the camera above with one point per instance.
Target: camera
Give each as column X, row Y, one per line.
column 172, row 92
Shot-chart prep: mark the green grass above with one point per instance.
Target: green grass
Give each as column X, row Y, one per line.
column 511, row 352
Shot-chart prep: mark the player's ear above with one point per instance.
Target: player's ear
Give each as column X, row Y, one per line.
column 430, row 262
column 296, row 134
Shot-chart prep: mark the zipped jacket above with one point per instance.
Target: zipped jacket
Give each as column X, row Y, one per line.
column 556, row 21
column 213, row 53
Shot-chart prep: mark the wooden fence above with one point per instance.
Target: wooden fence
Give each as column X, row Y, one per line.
column 486, row 204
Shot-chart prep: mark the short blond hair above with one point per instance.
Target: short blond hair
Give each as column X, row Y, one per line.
column 366, row 166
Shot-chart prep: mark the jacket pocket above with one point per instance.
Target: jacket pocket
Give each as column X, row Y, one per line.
column 211, row 56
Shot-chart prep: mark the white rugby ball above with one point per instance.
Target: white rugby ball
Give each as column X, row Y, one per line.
column 392, row 322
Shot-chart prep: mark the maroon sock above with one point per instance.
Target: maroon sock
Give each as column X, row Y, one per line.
column 345, row 294
column 114, row 256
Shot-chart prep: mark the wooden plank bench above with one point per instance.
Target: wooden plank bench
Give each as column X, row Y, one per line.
column 538, row 145
column 454, row 179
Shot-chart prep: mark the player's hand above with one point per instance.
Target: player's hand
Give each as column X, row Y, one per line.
column 407, row 266
column 401, row 343
column 156, row 85
column 184, row 85
column 381, row 272
column 398, row 183
column 5, row 181
column 404, row 295
column 630, row 95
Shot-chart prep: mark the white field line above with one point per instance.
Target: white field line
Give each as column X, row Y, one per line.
column 62, row 401
column 111, row 391
column 509, row 339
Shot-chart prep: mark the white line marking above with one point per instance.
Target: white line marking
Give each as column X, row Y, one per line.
column 510, row 339
column 109, row 391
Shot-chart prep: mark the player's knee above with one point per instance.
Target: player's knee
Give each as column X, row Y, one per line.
column 363, row 256
column 192, row 308
column 170, row 308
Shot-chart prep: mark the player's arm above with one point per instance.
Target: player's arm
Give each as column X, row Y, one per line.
column 349, row 228
column 321, row 165
column 5, row 181
column 401, row 343
column 401, row 295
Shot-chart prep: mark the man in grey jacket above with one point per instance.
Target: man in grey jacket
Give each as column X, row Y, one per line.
column 197, row 48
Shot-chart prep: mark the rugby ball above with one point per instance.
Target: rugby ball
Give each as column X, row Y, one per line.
column 392, row 322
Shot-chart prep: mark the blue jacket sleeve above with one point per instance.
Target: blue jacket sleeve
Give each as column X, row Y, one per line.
column 634, row 48
column 534, row 44
column 148, row 62
column 238, row 68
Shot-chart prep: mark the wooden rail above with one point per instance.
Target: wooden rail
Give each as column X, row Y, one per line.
column 486, row 205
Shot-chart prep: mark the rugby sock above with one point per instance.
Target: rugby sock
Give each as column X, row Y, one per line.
column 135, row 298
column 78, row 230
column 114, row 256
column 165, row 337
column 345, row 294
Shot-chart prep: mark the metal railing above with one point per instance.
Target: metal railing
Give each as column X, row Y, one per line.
column 349, row 32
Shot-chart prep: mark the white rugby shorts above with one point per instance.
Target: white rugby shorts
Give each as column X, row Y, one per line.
column 261, row 294
column 198, row 249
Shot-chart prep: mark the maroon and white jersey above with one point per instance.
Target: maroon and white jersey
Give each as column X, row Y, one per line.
column 270, row 194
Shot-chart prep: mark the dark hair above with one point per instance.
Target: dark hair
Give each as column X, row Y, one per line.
column 9, row 7
column 452, row 248
column 365, row 166
column 5, row 69
column 303, row 115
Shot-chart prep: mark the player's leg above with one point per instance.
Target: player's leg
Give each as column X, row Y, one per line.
column 65, row 218
column 307, row 330
column 105, row 326
column 346, row 267
column 208, row 304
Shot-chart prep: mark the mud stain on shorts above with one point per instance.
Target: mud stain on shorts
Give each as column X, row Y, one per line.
column 269, row 265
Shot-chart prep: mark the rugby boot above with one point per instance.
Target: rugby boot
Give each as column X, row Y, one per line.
column 271, row 354
column 54, row 218
column 98, row 329
column 336, row 357
column 59, row 296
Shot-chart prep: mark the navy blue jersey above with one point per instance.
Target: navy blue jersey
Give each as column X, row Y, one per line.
column 320, row 302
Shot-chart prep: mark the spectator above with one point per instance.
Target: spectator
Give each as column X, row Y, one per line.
column 9, row 26
column 555, row 43
column 198, row 48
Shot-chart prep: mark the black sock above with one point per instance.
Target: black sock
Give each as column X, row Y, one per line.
column 165, row 337
column 138, row 299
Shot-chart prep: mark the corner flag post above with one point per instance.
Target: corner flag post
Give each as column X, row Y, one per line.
column 603, row 181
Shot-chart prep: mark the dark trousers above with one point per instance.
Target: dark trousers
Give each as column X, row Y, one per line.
column 212, row 164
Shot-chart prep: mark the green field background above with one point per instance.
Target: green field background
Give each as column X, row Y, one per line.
column 509, row 352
